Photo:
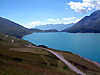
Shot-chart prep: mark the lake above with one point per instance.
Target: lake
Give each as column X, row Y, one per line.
column 84, row 44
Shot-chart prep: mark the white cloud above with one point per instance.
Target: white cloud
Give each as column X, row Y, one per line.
column 70, row 18
column 86, row 0
column 89, row 9
column 84, row 6
column 82, row 11
column 35, row 23
column 77, row 20
column 53, row 19
column 73, row 21
column 66, row 8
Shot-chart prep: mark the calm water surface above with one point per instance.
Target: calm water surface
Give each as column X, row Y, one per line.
column 84, row 44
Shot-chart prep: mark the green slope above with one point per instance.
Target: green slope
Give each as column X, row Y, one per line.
column 18, row 62
column 18, row 59
column 15, row 60
column 12, row 28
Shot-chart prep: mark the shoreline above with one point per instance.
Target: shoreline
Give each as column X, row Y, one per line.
column 96, row 63
column 87, row 59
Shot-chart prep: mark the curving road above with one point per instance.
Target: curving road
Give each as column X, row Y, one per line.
column 66, row 62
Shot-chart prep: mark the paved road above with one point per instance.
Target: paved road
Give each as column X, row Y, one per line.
column 66, row 62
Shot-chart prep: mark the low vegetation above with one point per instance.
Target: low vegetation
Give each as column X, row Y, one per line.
column 39, row 62
column 18, row 59
column 14, row 29
column 87, row 67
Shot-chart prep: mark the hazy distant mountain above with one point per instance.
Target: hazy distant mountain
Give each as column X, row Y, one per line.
column 11, row 28
column 87, row 24
column 58, row 27
column 39, row 30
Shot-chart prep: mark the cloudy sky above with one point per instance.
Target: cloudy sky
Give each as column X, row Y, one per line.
column 30, row 13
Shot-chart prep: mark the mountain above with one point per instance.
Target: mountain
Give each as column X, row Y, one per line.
column 65, row 29
column 20, row 57
column 58, row 27
column 14, row 29
column 39, row 30
column 11, row 28
column 88, row 24
column 51, row 30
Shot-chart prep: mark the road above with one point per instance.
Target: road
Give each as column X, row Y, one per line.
column 66, row 62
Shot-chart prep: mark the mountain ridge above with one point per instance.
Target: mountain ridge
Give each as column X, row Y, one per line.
column 14, row 29
column 11, row 28
column 58, row 27
column 20, row 57
column 88, row 24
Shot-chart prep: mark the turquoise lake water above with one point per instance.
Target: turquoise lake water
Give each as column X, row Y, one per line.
column 84, row 44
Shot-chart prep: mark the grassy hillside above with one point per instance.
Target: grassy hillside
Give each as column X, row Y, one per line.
column 17, row 59
column 39, row 62
column 87, row 67
column 12, row 28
